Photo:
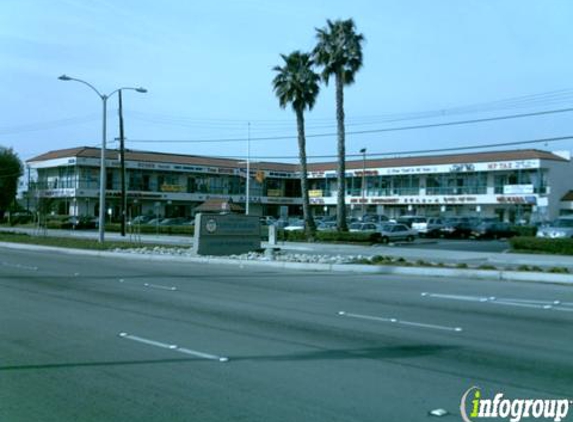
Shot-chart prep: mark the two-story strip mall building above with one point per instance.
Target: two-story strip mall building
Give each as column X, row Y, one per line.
column 514, row 185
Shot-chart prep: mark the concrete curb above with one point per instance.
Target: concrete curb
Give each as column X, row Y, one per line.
column 498, row 275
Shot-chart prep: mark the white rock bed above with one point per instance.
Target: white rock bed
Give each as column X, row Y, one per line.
column 251, row 256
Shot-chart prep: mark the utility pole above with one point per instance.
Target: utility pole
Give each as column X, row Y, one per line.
column 363, row 152
column 28, row 191
column 123, row 206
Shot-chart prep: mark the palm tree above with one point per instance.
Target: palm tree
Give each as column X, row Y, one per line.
column 297, row 84
column 339, row 53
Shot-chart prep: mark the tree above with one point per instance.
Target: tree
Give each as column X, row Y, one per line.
column 298, row 85
column 10, row 171
column 339, row 53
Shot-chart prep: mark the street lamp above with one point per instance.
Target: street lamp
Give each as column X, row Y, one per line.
column 363, row 152
column 102, row 181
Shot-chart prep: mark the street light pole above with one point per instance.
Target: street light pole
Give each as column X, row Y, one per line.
column 102, row 174
column 123, row 207
column 363, row 152
column 248, row 197
column 102, row 178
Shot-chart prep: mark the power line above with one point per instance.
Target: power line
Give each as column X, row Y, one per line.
column 360, row 132
column 12, row 130
column 545, row 98
column 402, row 153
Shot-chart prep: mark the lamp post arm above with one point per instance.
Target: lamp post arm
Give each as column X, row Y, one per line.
column 93, row 88
column 127, row 88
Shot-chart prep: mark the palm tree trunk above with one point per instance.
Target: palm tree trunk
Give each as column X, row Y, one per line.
column 341, row 173
column 309, row 225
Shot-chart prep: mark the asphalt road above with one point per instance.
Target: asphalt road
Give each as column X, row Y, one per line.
column 96, row 339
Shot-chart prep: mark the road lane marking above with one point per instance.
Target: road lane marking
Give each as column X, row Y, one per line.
column 20, row 266
column 556, row 305
column 563, row 309
column 521, row 305
column 456, row 297
column 201, row 354
column 174, row 347
column 147, row 341
column 157, row 286
column 401, row 322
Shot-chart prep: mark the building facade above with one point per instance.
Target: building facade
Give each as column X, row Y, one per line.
column 164, row 185
column 521, row 185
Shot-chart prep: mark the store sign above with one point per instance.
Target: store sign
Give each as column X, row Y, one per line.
column 439, row 168
column 226, row 234
column 518, row 189
column 531, row 200
column 316, row 193
column 172, row 188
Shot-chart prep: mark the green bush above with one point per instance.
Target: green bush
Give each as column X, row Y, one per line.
column 152, row 229
column 524, row 230
column 335, row 236
column 329, row 236
column 558, row 270
column 542, row 245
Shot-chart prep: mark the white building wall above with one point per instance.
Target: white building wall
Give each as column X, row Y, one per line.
column 560, row 181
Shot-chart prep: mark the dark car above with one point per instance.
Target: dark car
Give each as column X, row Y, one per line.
column 78, row 223
column 490, row 230
column 457, row 228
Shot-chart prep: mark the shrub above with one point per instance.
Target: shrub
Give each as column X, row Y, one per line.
column 524, row 230
column 486, row 267
column 462, row 265
column 558, row 270
column 380, row 259
column 329, row 236
column 336, row 236
column 542, row 245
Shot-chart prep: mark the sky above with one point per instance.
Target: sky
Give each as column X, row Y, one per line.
column 208, row 68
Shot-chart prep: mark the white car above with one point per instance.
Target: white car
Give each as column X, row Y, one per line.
column 560, row 228
column 295, row 226
column 363, row 227
column 394, row 232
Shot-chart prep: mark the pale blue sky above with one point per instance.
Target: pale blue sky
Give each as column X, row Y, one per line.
column 208, row 69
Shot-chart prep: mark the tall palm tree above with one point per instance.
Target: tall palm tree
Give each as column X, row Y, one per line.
column 297, row 84
column 339, row 53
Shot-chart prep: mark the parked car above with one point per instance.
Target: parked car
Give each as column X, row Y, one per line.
column 393, row 232
column 297, row 225
column 493, row 231
column 154, row 221
column 431, row 228
column 457, row 228
column 174, row 221
column 412, row 221
column 363, row 227
column 326, row 226
column 560, row 228
column 140, row 219
column 374, row 218
column 79, row 223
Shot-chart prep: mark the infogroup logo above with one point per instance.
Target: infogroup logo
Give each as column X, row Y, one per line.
column 513, row 409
